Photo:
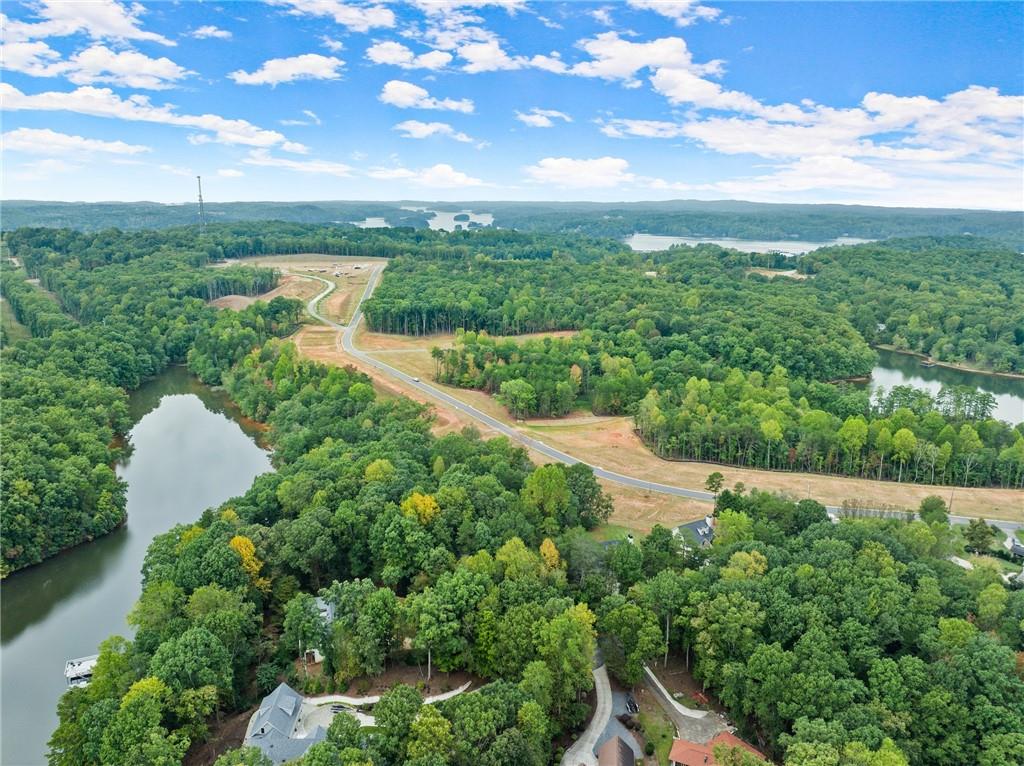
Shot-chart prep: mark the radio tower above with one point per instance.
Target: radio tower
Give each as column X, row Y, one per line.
column 202, row 212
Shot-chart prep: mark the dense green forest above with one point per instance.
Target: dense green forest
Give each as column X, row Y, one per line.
column 957, row 299
column 752, row 220
column 855, row 642
column 103, row 319
column 745, row 220
column 718, row 363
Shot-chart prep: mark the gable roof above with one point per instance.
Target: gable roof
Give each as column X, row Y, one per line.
column 688, row 753
column 284, row 749
column 277, row 713
column 702, row 530
column 615, row 752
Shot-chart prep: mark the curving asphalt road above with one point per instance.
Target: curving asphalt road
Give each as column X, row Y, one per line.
column 348, row 334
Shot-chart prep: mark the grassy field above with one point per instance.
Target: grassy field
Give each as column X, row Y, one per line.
column 13, row 329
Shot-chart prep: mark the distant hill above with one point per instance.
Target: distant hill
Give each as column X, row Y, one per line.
column 725, row 218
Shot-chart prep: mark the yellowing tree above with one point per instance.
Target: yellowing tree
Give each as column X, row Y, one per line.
column 423, row 508
column 379, row 470
column 549, row 553
column 243, row 546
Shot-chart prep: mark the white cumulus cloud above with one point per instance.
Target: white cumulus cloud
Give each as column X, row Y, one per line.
column 103, row 102
column 44, row 141
column 263, row 158
column 308, row 66
column 396, row 54
column 210, row 31
column 99, row 19
column 682, row 12
column 96, row 64
column 417, row 129
column 356, row 17
column 440, row 176
column 614, row 58
column 598, row 173
column 542, row 118
column 406, row 95
column 230, row 173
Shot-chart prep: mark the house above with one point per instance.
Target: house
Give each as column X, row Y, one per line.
column 326, row 611
column 615, row 752
column 272, row 728
column 686, row 753
column 1015, row 547
column 703, row 530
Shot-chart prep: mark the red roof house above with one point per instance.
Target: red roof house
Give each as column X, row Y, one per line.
column 686, row 753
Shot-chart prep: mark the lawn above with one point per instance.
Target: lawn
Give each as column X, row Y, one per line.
column 610, row 532
column 657, row 729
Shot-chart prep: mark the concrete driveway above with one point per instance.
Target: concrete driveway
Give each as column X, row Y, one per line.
column 582, row 751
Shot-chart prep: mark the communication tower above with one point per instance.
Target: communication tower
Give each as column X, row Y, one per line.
column 202, row 211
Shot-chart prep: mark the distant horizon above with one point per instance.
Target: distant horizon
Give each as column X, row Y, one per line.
column 539, row 202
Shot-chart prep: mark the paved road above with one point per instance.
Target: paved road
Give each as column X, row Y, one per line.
column 581, row 753
column 348, row 333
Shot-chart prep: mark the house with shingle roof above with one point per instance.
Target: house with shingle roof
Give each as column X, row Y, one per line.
column 703, row 530
column 272, row 727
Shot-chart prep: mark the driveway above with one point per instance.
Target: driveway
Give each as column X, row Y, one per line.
column 582, row 751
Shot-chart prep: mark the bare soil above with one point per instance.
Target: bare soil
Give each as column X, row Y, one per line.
column 773, row 273
column 290, row 286
column 226, row 734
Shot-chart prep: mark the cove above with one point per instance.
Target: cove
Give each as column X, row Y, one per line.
column 192, row 450
column 896, row 369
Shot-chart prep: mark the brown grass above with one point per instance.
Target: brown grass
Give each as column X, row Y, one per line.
column 340, row 304
column 773, row 273
column 376, row 341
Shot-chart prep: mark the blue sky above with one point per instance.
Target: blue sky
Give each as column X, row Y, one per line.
column 915, row 104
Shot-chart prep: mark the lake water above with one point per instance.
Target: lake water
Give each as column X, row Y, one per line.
column 372, row 223
column 192, row 450
column 894, row 369
column 444, row 219
column 645, row 243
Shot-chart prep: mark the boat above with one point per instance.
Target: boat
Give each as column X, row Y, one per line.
column 79, row 672
column 927, row 362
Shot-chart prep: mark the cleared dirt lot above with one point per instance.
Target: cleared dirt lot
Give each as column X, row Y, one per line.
column 290, row 286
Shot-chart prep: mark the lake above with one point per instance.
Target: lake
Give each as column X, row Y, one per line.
column 372, row 223
column 895, row 369
column 192, row 450
column 445, row 219
column 645, row 243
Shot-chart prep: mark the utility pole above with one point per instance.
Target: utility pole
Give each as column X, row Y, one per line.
column 202, row 211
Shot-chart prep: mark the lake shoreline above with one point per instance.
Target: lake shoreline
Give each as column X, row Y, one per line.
column 949, row 365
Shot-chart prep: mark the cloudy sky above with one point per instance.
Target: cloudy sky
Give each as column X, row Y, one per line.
column 897, row 104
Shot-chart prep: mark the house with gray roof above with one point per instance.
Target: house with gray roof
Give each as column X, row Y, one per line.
column 703, row 531
column 273, row 727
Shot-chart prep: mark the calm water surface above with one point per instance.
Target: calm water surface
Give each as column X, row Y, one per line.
column 895, row 369
column 645, row 243
column 192, row 451
column 444, row 219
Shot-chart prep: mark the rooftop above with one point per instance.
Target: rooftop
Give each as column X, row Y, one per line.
column 686, row 753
